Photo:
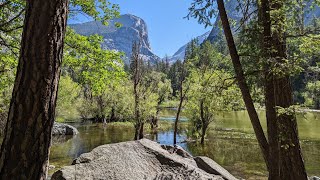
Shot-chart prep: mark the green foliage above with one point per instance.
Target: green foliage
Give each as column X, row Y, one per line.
column 163, row 66
column 68, row 99
column 310, row 45
column 98, row 71
column 148, row 104
column 116, row 102
column 155, row 89
column 170, row 103
column 116, row 98
column 216, row 91
column 99, row 10
column 158, row 84
column 212, row 89
column 11, row 24
column 203, row 10
column 312, row 95
column 10, row 30
column 290, row 111
column 7, row 75
column 94, row 66
column 173, row 75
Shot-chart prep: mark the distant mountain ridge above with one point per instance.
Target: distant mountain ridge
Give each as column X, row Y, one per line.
column 179, row 55
column 121, row 39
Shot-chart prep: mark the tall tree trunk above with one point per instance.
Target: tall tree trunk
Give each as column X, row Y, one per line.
column 203, row 121
column 271, row 116
column 272, row 129
column 136, row 131
column 101, row 105
column 291, row 161
column 156, row 121
column 263, row 143
column 136, row 101
column 141, row 130
column 286, row 160
column 178, row 115
column 113, row 117
column 25, row 148
column 317, row 103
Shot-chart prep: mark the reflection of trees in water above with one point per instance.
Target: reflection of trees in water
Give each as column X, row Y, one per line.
column 311, row 151
column 67, row 147
column 240, row 156
column 154, row 136
column 166, row 137
column 77, row 147
column 56, row 140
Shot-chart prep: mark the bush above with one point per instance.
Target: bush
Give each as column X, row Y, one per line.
column 68, row 99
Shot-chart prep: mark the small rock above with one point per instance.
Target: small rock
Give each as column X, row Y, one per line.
column 51, row 167
column 176, row 149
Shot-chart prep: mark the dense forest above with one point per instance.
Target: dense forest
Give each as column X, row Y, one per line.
column 270, row 60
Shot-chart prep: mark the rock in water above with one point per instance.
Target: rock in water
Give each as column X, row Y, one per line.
column 63, row 129
column 143, row 159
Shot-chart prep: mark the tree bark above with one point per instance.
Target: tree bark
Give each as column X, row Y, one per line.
column 286, row 160
column 291, row 161
column 136, row 131
column 136, row 82
column 25, row 148
column 137, row 112
column 271, row 115
column 263, row 143
column 203, row 121
column 141, row 136
column 178, row 115
column 156, row 120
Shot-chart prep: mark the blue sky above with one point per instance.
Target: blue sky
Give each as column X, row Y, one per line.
column 168, row 30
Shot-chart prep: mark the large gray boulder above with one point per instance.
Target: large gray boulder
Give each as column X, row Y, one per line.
column 63, row 129
column 143, row 159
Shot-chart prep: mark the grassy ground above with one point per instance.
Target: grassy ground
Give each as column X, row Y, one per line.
column 170, row 104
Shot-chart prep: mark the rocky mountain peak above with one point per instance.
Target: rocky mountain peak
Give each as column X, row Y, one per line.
column 132, row 29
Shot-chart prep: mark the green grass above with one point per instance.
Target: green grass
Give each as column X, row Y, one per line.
column 126, row 124
column 170, row 104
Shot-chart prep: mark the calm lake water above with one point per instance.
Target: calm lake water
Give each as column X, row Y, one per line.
column 230, row 143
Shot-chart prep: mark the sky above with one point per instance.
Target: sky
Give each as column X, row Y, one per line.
column 167, row 27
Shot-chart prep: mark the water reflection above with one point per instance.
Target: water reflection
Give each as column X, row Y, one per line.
column 229, row 146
